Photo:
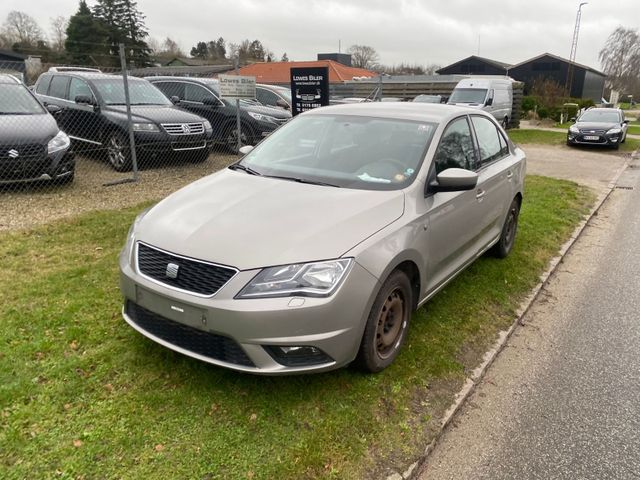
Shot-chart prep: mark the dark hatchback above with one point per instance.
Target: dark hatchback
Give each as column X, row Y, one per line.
column 92, row 110
column 201, row 96
column 32, row 147
column 599, row 126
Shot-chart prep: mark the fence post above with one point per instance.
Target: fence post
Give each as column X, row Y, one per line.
column 238, row 125
column 132, row 142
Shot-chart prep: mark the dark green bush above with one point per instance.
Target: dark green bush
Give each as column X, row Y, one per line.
column 529, row 103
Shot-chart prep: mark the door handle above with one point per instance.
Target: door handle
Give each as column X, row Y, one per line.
column 509, row 174
column 480, row 194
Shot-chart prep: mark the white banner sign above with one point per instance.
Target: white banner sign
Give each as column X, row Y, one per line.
column 236, row 86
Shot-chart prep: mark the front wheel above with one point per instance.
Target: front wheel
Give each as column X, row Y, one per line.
column 387, row 324
column 509, row 230
column 231, row 138
column 119, row 152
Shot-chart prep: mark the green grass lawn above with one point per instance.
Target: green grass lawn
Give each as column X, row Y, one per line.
column 634, row 129
column 546, row 137
column 82, row 395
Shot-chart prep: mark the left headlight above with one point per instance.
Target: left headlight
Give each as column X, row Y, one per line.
column 59, row 142
column 614, row 131
column 145, row 127
column 263, row 118
column 317, row 279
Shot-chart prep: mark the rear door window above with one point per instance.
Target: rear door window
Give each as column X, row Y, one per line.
column 43, row 84
column 489, row 138
column 58, row 87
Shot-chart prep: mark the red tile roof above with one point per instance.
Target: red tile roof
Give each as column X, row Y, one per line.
column 280, row 72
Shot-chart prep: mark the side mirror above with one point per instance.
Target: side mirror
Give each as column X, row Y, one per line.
column 53, row 109
column 573, row 119
column 625, row 121
column 281, row 103
column 454, row 180
column 175, row 99
column 246, row 149
column 489, row 102
column 83, row 100
column 210, row 101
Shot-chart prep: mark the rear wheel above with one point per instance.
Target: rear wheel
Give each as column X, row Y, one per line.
column 387, row 324
column 118, row 152
column 509, row 230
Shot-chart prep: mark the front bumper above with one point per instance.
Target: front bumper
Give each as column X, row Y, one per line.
column 248, row 329
column 587, row 138
column 54, row 167
column 161, row 143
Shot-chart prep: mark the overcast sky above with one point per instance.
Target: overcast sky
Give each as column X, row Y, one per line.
column 413, row 31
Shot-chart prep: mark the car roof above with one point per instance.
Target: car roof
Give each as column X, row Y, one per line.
column 422, row 112
column 91, row 75
column 165, row 78
column 9, row 79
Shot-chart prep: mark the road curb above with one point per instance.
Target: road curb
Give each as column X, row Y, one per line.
column 414, row 471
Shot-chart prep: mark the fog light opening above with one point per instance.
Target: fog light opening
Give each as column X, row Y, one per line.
column 297, row 355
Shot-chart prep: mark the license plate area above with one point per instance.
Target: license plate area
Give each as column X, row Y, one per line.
column 592, row 137
column 169, row 308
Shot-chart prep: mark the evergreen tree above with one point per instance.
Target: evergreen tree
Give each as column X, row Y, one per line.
column 124, row 24
column 284, row 58
column 86, row 42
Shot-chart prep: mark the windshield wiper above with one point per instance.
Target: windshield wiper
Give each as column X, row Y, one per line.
column 239, row 166
column 303, row 180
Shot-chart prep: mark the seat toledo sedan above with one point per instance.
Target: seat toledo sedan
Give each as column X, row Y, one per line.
column 312, row 251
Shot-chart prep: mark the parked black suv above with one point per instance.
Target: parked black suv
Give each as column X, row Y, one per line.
column 599, row 126
column 93, row 113
column 201, row 96
column 32, row 147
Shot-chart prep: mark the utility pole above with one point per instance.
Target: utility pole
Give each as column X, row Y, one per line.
column 574, row 47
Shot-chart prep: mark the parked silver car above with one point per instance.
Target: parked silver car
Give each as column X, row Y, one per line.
column 313, row 250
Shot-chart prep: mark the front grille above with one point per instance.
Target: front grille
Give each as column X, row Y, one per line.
column 23, row 161
column 586, row 131
column 197, row 341
column 191, row 275
column 183, row 128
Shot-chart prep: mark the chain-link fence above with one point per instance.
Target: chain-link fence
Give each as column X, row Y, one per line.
column 77, row 138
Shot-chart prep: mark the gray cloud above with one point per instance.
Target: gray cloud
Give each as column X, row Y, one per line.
column 414, row 31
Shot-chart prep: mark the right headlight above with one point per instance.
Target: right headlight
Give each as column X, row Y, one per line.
column 317, row 279
column 574, row 129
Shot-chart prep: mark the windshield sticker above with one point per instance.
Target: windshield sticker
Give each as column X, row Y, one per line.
column 368, row 178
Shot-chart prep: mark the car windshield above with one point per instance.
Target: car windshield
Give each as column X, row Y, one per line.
column 468, row 95
column 141, row 92
column 16, row 100
column 343, row 150
column 427, row 99
column 606, row 116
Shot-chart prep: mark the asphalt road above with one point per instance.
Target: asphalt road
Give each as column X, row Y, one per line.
column 562, row 401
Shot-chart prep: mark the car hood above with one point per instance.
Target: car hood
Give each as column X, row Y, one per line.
column 155, row 114
column 246, row 221
column 272, row 112
column 22, row 129
column 597, row 125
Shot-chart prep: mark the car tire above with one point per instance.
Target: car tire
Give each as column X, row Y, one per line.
column 624, row 138
column 118, row 152
column 616, row 146
column 231, row 138
column 509, row 230
column 387, row 324
column 505, row 123
column 199, row 156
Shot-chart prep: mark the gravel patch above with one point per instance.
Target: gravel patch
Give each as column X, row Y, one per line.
column 27, row 206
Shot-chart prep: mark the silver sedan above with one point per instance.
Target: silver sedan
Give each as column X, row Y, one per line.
column 312, row 251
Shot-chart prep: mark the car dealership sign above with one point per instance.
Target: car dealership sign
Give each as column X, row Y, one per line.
column 237, row 86
column 309, row 88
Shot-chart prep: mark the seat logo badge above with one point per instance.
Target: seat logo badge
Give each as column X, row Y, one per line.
column 172, row 270
column 186, row 129
column 13, row 153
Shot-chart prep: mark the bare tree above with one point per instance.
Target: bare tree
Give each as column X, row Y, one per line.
column 620, row 59
column 363, row 56
column 59, row 32
column 20, row 27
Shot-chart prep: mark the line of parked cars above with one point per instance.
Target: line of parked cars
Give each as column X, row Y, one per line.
column 86, row 109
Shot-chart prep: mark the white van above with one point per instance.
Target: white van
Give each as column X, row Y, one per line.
column 492, row 95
